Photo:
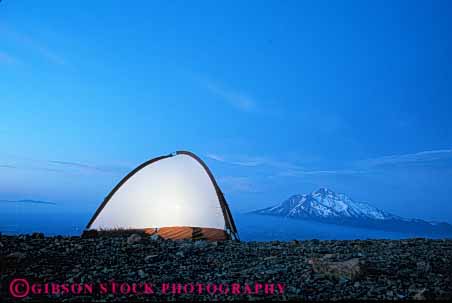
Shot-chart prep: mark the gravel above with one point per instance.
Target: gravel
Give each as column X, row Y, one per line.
column 308, row 270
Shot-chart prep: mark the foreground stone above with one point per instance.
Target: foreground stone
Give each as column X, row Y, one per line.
column 133, row 238
column 349, row 269
column 304, row 270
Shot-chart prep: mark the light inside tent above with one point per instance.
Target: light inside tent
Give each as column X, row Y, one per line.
column 174, row 191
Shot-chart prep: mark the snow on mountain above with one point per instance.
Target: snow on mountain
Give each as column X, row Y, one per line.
column 326, row 206
column 324, row 203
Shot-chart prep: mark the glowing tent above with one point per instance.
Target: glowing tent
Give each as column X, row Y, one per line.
column 174, row 196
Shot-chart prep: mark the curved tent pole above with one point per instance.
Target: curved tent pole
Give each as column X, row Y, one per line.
column 224, row 205
column 230, row 225
column 118, row 186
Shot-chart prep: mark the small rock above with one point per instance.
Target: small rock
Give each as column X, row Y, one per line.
column 180, row 254
column 16, row 255
column 270, row 258
column 133, row 238
column 142, row 274
column 271, row 272
column 419, row 295
column 1, row 245
column 155, row 237
column 150, row 258
column 201, row 244
column 423, row 267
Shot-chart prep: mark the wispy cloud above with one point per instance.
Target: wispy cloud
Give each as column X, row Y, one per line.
column 283, row 168
column 90, row 167
column 251, row 161
column 298, row 173
column 371, row 165
column 289, row 169
column 30, row 43
column 61, row 166
column 27, row 201
column 7, row 59
column 239, row 162
column 237, row 99
column 419, row 157
column 7, row 166
column 238, row 184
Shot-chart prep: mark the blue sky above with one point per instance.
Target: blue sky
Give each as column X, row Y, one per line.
column 279, row 97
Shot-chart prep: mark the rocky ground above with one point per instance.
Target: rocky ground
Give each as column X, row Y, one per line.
column 309, row 270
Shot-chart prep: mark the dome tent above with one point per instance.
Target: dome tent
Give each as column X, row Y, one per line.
column 175, row 196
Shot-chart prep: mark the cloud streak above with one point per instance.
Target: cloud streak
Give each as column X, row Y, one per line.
column 419, row 157
column 298, row 173
column 89, row 167
column 61, row 166
column 284, row 168
column 289, row 169
column 238, row 184
column 7, row 59
column 7, row 166
column 237, row 99
column 249, row 163
column 254, row 161
column 30, row 43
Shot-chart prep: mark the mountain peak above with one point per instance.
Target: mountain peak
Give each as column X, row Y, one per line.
column 325, row 203
column 323, row 191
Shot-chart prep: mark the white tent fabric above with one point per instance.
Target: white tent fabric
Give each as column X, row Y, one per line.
column 175, row 191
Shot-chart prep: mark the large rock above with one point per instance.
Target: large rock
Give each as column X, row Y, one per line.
column 349, row 269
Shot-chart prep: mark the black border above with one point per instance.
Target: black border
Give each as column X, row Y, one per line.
column 230, row 225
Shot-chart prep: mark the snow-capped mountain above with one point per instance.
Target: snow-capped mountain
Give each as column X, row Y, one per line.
column 325, row 203
column 327, row 206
